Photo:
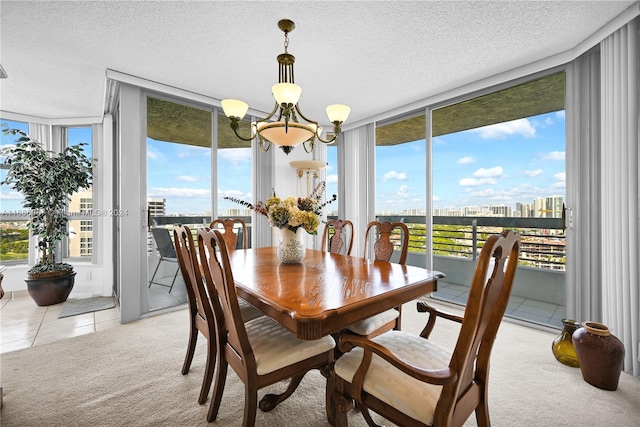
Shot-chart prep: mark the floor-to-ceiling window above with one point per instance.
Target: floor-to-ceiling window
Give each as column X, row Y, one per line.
column 79, row 244
column 498, row 163
column 401, row 180
column 178, row 187
column 234, row 173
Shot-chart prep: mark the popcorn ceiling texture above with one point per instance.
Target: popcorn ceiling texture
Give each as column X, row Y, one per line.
column 373, row 56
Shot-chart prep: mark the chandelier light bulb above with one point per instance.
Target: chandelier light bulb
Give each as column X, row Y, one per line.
column 338, row 113
column 234, row 108
column 286, row 93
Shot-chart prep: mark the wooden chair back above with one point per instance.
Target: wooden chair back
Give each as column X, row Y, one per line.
column 343, row 234
column 230, row 237
column 273, row 343
column 201, row 316
column 464, row 383
column 231, row 332
column 383, row 246
column 486, row 305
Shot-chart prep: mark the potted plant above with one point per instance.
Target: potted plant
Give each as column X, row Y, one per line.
column 46, row 180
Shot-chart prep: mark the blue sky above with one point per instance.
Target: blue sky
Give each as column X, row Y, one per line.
column 504, row 163
column 500, row 164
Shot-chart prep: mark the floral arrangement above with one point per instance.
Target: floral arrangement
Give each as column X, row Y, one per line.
column 292, row 212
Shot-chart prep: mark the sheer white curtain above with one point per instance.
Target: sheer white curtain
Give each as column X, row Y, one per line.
column 263, row 185
column 620, row 190
column 583, row 188
column 356, row 180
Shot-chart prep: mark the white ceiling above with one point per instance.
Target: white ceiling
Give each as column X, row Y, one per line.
column 374, row 56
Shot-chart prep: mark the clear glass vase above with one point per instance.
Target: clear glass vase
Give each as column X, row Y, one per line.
column 291, row 247
column 562, row 346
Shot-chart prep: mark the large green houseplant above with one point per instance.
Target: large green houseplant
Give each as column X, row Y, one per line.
column 46, row 180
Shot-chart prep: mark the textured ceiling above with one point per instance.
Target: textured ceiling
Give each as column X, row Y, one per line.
column 373, row 56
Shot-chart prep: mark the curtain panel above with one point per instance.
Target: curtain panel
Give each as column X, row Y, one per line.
column 356, row 167
column 583, row 233
column 620, row 190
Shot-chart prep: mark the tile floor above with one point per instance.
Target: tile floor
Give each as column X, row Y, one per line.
column 538, row 312
column 24, row 324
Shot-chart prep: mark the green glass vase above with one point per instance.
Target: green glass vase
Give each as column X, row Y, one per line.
column 562, row 346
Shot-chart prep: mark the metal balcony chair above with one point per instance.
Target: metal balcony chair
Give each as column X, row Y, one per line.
column 167, row 252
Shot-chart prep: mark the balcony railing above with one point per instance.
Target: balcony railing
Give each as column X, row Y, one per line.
column 543, row 239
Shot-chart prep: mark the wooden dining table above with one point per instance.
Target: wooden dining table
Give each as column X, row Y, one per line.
column 325, row 292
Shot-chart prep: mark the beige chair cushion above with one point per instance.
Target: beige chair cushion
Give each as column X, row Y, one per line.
column 373, row 323
column 410, row 396
column 247, row 311
column 275, row 347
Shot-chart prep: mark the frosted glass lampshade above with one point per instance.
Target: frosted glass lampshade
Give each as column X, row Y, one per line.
column 286, row 93
column 338, row 113
column 234, row 108
column 296, row 134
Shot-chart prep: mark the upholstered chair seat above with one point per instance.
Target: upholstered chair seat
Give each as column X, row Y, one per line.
column 274, row 347
column 415, row 398
column 372, row 324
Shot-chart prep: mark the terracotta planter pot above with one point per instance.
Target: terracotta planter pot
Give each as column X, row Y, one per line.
column 50, row 290
column 600, row 354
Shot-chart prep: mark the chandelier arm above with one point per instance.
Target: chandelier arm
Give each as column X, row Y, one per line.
column 302, row 115
column 329, row 141
column 271, row 114
column 234, row 126
column 262, row 145
column 312, row 144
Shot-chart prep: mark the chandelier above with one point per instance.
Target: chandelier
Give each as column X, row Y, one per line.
column 287, row 131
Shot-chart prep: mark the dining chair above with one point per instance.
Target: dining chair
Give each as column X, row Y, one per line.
column 200, row 312
column 410, row 380
column 231, row 237
column 260, row 351
column 383, row 249
column 201, row 315
column 167, row 252
column 342, row 234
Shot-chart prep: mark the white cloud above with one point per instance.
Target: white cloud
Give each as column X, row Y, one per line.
column 561, row 176
column 186, row 178
column 332, row 179
column 235, row 156
column 560, row 114
column 554, row 155
column 178, row 192
column 11, row 195
column 466, row 160
column 488, row 173
column 152, row 155
column 400, row 176
column 436, row 198
column 467, row 182
column 402, row 191
column 521, row 127
column 548, row 121
column 533, row 173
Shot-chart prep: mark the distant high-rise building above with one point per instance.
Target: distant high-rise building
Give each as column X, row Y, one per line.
column 156, row 207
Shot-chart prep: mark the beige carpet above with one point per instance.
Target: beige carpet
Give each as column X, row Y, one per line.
column 130, row 376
